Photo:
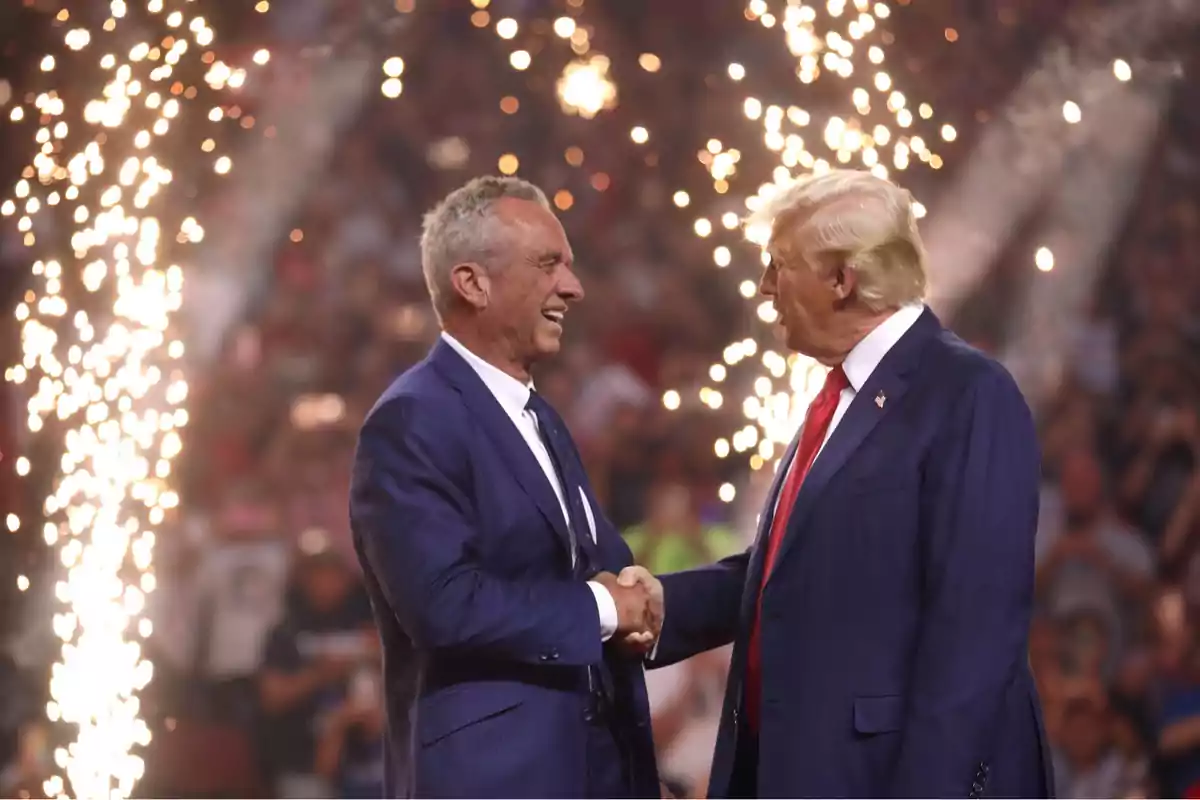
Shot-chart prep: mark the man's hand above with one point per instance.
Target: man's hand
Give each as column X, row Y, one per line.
column 633, row 604
column 636, row 576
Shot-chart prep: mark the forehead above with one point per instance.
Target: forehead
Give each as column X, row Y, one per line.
column 535, row 226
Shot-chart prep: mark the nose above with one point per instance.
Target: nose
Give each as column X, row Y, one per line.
column 569, row 286
column 766, row 284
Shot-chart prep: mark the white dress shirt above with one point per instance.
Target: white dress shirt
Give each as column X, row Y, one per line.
column 513, row 396
column 865, row 357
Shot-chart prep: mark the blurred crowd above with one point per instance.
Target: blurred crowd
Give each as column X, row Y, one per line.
column 267, row 678
column 1118, row 579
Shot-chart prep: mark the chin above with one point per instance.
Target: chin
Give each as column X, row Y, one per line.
column 548, row 344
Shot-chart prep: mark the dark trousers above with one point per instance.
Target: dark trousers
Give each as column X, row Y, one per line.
column 608, row 774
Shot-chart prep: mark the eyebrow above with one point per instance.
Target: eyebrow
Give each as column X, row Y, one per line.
column 551, row 257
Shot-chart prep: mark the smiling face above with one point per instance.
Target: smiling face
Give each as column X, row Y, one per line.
column 522, row 297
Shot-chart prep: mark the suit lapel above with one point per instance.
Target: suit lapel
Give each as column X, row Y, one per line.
column 889, row 379
column 499, row 426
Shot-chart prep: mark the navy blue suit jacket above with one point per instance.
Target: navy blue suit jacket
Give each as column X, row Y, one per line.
column 895, row 621
column 486, row 634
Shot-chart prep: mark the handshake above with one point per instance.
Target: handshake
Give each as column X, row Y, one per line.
column 638, row 596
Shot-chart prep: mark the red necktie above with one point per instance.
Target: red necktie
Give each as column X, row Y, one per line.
column 812, row 435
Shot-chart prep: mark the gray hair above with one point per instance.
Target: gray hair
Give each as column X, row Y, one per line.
column 463, row 228
column 868, row 220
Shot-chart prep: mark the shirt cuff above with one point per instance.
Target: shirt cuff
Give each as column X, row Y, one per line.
column 607, row 608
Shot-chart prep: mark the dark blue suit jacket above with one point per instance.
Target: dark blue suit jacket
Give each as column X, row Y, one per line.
column 895, row 621
column 486, row 634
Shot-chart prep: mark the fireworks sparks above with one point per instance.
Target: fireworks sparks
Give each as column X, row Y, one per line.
column 873, row 131
column 875, row 127
column 101, row 365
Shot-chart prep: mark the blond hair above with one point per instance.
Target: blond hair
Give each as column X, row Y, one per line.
column 463, row 229
column 865, row 221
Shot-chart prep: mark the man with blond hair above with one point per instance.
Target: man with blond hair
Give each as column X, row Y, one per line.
column 491, row 569
column 880, row 619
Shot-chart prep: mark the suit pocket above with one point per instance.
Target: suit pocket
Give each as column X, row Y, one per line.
column 451, row 710
column 878, row 714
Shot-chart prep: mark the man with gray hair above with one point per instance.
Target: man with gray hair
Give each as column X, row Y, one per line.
column 512, row 656
column 880, row 620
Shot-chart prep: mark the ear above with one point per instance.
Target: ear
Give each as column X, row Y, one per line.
column 847, row 282
column 470, row 282
column 840, row 276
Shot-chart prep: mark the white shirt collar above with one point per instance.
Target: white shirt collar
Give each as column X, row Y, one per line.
column 866, row 355
column 512, row 394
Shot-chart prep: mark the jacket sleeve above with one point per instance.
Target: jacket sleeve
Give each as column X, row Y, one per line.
column 701, row 609
column 419, row 535
column 979, row 506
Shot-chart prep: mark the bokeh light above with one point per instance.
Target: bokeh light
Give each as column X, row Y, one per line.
column 1044, row 259
column 585, row 87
